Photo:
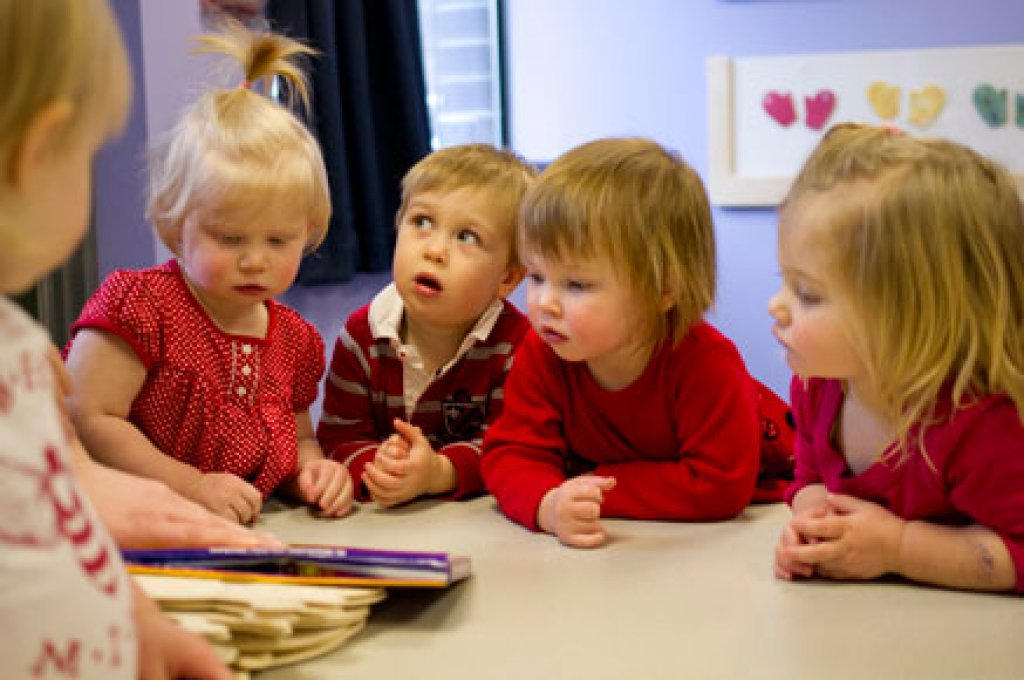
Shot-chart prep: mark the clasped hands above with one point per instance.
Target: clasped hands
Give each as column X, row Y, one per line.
column 841, row 537
column 406, row 467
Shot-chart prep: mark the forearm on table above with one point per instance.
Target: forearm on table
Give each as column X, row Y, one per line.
column 972, row 557
column 116, row 442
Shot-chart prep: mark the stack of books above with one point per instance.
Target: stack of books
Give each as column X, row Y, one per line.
column 262, row 608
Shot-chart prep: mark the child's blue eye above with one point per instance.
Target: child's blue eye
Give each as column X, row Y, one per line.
column 422, row 222
column 468, row 236
column 534, row 277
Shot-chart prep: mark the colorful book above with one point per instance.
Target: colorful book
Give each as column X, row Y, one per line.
column 305, row 564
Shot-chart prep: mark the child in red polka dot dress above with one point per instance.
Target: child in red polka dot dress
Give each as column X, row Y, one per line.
column 190, row 372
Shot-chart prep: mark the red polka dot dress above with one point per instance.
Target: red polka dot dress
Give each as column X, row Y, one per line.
column 220, row 402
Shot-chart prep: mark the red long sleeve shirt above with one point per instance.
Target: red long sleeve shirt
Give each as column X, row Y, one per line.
column 682, row 440
column 975, row 474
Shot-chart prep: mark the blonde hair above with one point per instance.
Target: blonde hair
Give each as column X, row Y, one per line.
column 60, row 51
column 235, row 149
column 644, row 210
column 924, row 240
column 501, row 173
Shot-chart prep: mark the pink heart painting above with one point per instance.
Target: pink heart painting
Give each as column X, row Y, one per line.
column 819, row 108
column 780, row 107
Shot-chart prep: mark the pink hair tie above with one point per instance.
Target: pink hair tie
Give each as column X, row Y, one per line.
column 246, row 85
column 892, row 128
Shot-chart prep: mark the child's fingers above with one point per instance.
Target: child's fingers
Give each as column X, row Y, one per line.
column 788, row 568
column 588, row 537
column 328, row 500
column 243, row 512
column 246, row 501
column 380, row 478
column 823, row 528
column 410, row 432
column 586, row 511
column 780, row 571
column 810, row 554
column 392, row 465
column 312, row 482
column 341, row 504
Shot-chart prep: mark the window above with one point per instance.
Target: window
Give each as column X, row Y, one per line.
column 461, row 42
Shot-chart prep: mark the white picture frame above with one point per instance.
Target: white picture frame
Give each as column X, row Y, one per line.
column 752, row 159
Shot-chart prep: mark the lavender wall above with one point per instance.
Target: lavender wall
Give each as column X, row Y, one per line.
column 580, row 69
column 123, row 239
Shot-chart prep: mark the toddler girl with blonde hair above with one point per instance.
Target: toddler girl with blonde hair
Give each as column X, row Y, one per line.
column 902, row 315
column 191, row 372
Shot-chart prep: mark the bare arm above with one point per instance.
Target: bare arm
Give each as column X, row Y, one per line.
column 107, row 377
column 972, row 557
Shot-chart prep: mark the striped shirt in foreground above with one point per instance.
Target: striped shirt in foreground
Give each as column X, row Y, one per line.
column 366, row 390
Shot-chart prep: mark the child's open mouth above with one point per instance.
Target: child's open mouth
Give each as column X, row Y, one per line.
column 427, row 285
column 551, row 336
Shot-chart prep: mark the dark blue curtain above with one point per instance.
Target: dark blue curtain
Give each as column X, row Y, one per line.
column 370, row 115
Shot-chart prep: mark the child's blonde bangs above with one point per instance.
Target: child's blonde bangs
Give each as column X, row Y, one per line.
column 246, row 187
column 501, row 173
column 245, row 166
column 644, row 210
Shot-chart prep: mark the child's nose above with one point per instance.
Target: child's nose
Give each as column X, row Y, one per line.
column 253, row 259
column 436, row 249
column 547, row 300
column 777, row 308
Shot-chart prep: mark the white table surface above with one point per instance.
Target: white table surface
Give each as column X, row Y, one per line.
column 662, row 600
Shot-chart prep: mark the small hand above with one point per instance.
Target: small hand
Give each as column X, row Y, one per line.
column 228, row 495
column 572, row 511
column 326, row 484
column 407, row 467
column 384, row 477
column 856, row 539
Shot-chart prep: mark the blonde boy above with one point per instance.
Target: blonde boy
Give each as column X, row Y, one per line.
column 417, row 375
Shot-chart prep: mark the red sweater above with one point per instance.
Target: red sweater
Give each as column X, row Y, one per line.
column 978, row 456
column 363, row 395
column 682, row 440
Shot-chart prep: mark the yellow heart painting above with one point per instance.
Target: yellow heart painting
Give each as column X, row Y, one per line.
column 925, row 104
column 884, row 99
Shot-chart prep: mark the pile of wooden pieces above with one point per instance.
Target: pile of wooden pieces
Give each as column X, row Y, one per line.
column 255, row 626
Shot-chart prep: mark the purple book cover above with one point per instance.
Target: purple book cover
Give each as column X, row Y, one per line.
column 305, row 563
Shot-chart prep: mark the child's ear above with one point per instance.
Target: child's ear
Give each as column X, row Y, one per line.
column 43, row 133
column 513, row 276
